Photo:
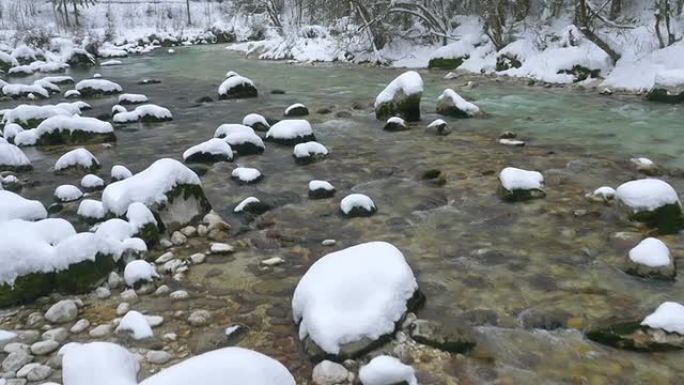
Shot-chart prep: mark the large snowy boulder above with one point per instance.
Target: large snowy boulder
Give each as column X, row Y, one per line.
column 401, row 98
column 652, row 202
column 13, row 159
column 291, row 132
column 241, row 138
column 668, row 87
column 16, row 91
column 167, row 187
column 96, row 87
column 62, row 129
column 14, row 206
column 102, row 363
column 256, row 121
column 520, row 185
column 213, row 150
column 237, row 87
column 651, row 259
column 224, row 366
column 351, row 300
column 79, row 158
column 78, row 57
column 147, row 113
column 451, row 56
column 29, row 116
column 450, row 103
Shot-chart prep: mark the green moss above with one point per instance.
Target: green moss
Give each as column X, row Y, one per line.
column 581, row 73
column 149, row 233
column 666, row 219
column 84, row 276
column 446, row 63
column 629, row 336
column 26, row 289
column 519, row 195
column 505, row 62
column 74, row 137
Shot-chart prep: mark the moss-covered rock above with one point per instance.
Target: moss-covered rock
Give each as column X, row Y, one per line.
column 581, row 73
column 662, row 95
column 520, row 195
column 240, row 91
column 149, row 233
column 84, row 276
column 74, row 137
column 186, row 204
column 666, row 219
column 633, row 336
column 407, row 107
column 446, row 63
column 505, row 62
column 26, row 289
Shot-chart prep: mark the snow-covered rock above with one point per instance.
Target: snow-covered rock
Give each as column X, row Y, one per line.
column 139, row 271
column 668, row 87
column 135, row 325
column 102, row 363
column 142, row 222
column 79, row 57
column 439, row 127
column 63, row 129
column 67, row 193
column 132, row 99
column 251, row 205
column 309, row 151
column 357, row 205
column 72, row 94
column 120, row 172
column 13, row 159
column 669, row 316
column 78, row 158
column 14, row 90
column 297, row 109
column 29, row 116
column 320, row 189
column 246, row 175
column 450, row 103
column 653, row 202
column 146, row 113
column 651, row 259
column 603, row 193
column 240, row 366
column 514, row 54
column 519, row 185
column 213, row 150
column 92, row 182
column 241, row 138
column 291, row 132
column 350, row 298
column 14, row 206
column 96, row 87
column 237, row 87
column 167, row 187
column 10, row 131
column 452, row 55
column 329, row 373
column 386, row 370
column 256, row 121
column 395, row 123
column 91, row 209
column 401, row 98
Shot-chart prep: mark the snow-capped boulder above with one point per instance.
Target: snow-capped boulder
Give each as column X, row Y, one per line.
column 309, row 152
column 645, row 165
column 652, row 202
column 450, row 103
column 401, row 98
column 67, row 193
column 320, row 189
column 7, row 61
column 651, row 259
column 146, row 113
column 47, row 85
column 72, row 94
column 119, row 172
column 237, row 87
column 14, row 206
column 102, row 363
column 143, row 223
column 520, row 185
column 24, row 91
column 13, row 159
column 79, row 158
column 167, row 187
column 257, row 122
column 92, row 182
column 357, row 205
column 669, row 316
column 135, row 325
column 451, row 56
column 10, row 131
column 251, row 205
column 291, row 132
column 91, row 210
column 387, row 370
column 30, row 116
column 62, row 129
column 350, row 300
column 241, row 138
column 97, row 87
column 213, row 150
column 139, row 271
column 439, row 127
column 246, row 175
column 514, row 54
column 668, row 87
column 238, row 365
column 78, row 57
column 395, row 123
column 24, row 54
column 297, row 109
column 602, row 194
column 117, row 108
column 125, row 99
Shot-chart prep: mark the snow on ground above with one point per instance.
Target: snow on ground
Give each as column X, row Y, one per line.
column 14, row 206
column 386, row 370
column 639, row 73
column 651, row 252
column 359, row 292
column 669, row 316
column 646, row 194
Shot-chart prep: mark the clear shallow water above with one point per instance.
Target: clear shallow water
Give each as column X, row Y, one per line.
column 552, row 262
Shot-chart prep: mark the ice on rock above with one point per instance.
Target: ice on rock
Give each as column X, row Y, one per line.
column 91, row 209
column 256, row 121
column 12, row 158
column 14, row 206
column 135, row 324
column 240, row 366
column 241, row 138
column 146, row 113
column 669, row 316
column 101, row 363
column 518, row 184
column 213, row 150
column 401, row 98
column 291, row 132
column 120, row 173
column 309, row 151
column 67, row 193
column 353, row 294
column 357, row 205
column 93, row 87
column 132, row 99
column 92, row 182
column 452, row 104
column 78, row 158
column 386, row 370
column 139, row 271
column 246, row 175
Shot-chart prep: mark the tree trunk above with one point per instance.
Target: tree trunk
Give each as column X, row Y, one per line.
column 584, row 24
column 75, row 12
column 187, row 6
column 615, row 9
column 65, row 12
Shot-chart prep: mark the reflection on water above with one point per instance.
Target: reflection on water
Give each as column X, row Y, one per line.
column 552, row 263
